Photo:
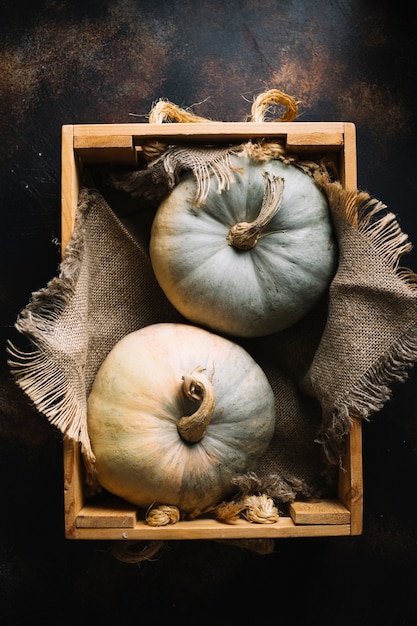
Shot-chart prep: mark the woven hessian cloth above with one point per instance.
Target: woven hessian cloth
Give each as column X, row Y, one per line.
column 336, row 365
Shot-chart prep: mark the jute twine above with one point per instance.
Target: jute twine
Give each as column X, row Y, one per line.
column 162, row 515
column 259, row 509
column 264, row 102
column 165, row 111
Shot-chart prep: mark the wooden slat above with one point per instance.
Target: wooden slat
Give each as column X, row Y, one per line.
column 351, row 480
column 115, row 514
column 227, row 132
column 69, row 185
column 320, row 512
column 212, row 529
column 313, row 140
column 73, row 485
column 73, row 474
column 102, row 141
column 349, row 174
column 106, row 149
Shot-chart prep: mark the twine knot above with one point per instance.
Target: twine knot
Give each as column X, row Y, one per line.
column 162, row 515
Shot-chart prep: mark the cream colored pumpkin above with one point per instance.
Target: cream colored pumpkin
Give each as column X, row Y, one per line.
column 252, row 260
column 175, row 413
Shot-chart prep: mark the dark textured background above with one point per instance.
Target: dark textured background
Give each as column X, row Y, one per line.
column 100, row 62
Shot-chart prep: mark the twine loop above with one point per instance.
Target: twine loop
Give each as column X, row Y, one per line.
column 262, row 105
column 165, row 111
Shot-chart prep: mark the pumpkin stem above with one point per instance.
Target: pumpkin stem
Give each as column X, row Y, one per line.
column 245, row 235
column 197, row 386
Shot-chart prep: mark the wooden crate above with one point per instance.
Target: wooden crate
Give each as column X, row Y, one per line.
column 107, row 517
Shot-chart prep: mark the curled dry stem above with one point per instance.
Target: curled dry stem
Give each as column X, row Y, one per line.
column 197, row 386
column 245, row 235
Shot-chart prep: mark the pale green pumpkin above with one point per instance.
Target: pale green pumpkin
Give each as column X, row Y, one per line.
column 175, row 413
column 253, row 259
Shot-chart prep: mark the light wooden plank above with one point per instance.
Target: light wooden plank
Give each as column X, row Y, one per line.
column 212, row 529
column 106, row 149
column 351, row 479
column 73, row 484
column 350, row 169
column 69, row 185
column 313, row 140
column 219, row 131
column 102, row 141
column 116, row 514
column 319, row 512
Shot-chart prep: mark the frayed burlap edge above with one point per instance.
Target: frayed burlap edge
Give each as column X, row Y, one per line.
column 58, row 394
column 382, row 230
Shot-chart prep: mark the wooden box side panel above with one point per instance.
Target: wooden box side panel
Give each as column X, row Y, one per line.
column 70, row 185
column 225, row 132
column 74, row 488
column 350, row 478
column 208, row 529
column 348, row 174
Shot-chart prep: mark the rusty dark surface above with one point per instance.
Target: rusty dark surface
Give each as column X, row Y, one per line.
column 107, row 62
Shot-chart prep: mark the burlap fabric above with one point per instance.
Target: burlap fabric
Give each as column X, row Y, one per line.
column 336, row 365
